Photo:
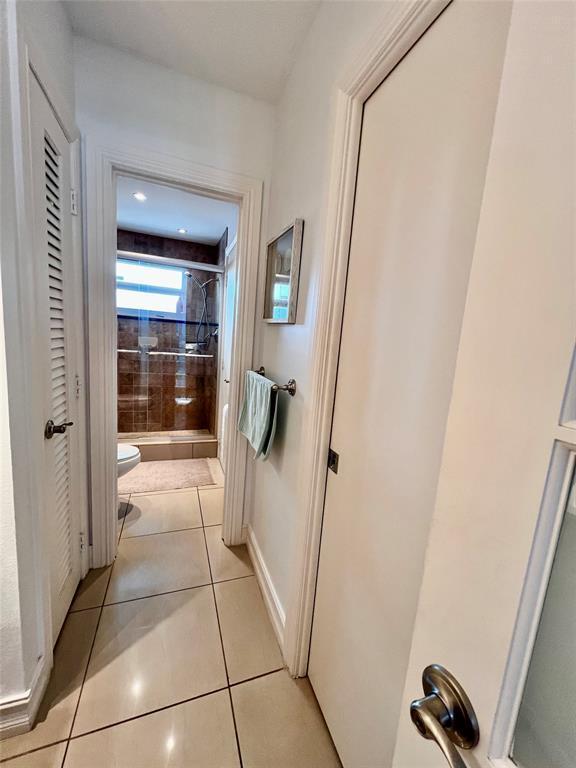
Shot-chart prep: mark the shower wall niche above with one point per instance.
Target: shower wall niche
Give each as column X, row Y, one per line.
column 168, row 321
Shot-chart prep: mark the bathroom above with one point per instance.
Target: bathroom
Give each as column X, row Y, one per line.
column 174, row 250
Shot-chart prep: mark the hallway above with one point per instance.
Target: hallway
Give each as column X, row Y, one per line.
column 168, row 657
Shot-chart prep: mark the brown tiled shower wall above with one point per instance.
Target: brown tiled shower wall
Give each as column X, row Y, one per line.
column 141, row 242
column 153, row 390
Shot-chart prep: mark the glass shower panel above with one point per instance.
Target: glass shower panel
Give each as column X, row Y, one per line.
column 545, row 735
column 168, row 322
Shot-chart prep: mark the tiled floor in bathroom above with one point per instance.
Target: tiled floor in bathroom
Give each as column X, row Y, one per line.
column 168, row 658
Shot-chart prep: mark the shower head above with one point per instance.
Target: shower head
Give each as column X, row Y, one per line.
column 202, row 285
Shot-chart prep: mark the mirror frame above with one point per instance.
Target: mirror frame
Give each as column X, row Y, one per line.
column 297, row 228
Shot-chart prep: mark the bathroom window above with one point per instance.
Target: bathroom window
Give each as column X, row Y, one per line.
column 150, row 289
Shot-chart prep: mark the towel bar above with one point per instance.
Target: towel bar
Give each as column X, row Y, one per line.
column 290, row 387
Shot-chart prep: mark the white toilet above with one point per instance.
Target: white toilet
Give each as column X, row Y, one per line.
column 128, row 458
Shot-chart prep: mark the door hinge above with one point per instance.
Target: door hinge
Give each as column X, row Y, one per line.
column 77, row 386
column 333, row 459
column 82, row 541
column 73, row 202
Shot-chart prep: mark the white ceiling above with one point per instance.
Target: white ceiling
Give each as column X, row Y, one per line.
column 245, row 45
column 167, row 209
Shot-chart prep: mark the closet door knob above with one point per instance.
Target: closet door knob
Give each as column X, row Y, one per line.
column 52, row 429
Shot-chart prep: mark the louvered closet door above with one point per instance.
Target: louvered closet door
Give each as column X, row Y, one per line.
column 54, row 283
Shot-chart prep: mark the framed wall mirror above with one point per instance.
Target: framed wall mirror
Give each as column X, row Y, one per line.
column 282, row 274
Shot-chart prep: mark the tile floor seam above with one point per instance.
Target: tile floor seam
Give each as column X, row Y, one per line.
column 222, row 644
column 160, row 533
column 6, row 760
column 101, row 607
column 169, row 592
column 156, row 594
column 201, row 517
column 175, row 491
column 82, row 684
column 146, row 714
column 88, row 664
column 126, row 511
column 257, row 677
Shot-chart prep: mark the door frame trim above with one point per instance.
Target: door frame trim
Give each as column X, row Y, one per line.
column 25, row 59
column 102, row 164
column 538, row 571
column 400, row 29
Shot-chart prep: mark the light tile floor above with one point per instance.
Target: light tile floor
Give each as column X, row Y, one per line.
column 168, row 658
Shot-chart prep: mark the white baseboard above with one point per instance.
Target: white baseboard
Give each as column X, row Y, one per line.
column 271, row 600
column 17, row 714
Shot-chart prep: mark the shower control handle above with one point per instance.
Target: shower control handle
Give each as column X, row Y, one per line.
column 52, row 429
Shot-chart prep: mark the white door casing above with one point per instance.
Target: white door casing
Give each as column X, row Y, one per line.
column 102, row 165
column 425, row 144
column 228, row 298
column 55, row 286
column 506, row 451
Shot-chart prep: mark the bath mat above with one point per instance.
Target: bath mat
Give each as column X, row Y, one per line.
column 166, row 476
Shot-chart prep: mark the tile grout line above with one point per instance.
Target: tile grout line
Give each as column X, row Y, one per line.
column 162, row 533
column 211, row 487
column 257, row 677
column 161, row 594
column 101, row 607
column 221, row 638
column 87, row 665
column 140, row 716
column 124, row 517
column 147, row 713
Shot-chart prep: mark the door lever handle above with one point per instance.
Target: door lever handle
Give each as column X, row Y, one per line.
column 445, row 714
column 52, row 429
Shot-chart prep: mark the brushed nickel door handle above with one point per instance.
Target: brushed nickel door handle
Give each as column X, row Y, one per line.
column 445, row 714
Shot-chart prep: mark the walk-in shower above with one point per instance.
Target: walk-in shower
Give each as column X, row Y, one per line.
column 168, row 313
column 175, row 298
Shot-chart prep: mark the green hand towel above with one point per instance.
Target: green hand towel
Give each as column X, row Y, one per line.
column 257, row 420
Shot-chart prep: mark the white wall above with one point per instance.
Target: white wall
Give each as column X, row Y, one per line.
column 45, row 26
column 298, row 189
column 126, row 100
column 11, row 673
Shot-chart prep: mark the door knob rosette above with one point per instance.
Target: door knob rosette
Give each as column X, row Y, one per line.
column 445, row 714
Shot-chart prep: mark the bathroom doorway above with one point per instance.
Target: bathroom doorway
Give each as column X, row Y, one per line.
column 175, row 264
column 105, row 167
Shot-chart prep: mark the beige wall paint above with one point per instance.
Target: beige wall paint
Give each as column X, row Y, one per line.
column 121, row 99
column 299, row 189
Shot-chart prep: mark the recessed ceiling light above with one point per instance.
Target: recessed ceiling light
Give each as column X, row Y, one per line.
column 140, row 196
column 181, row 231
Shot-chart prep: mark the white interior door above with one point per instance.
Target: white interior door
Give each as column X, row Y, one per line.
column 500, row 513
column 55, row 286
column 425, row 145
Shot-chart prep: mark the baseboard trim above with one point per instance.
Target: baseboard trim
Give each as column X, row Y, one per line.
column 271, row 600
column 17, row 714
